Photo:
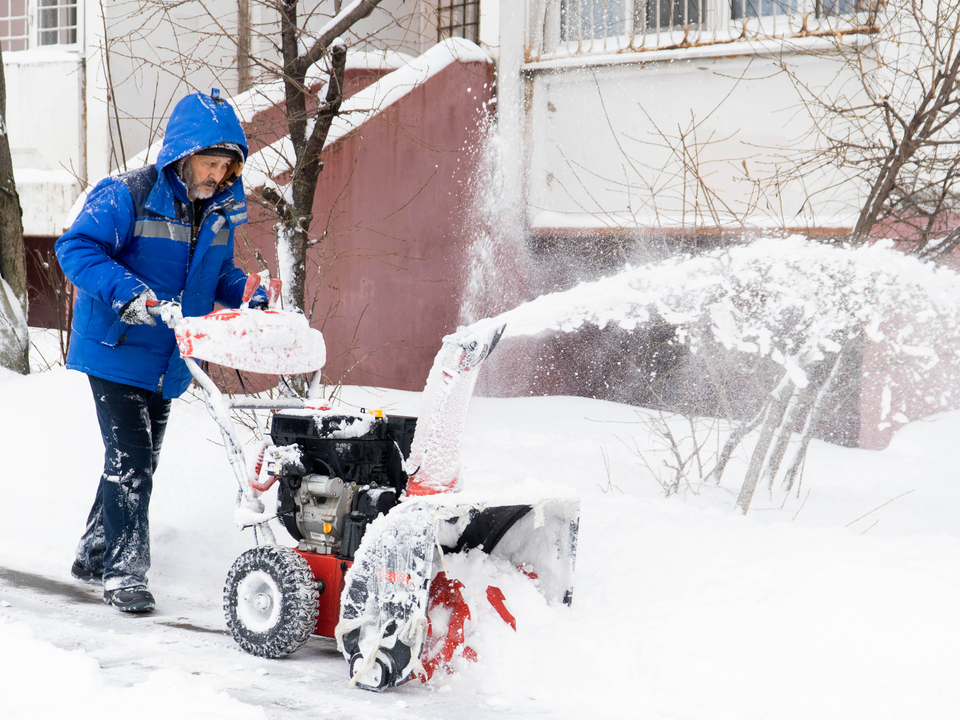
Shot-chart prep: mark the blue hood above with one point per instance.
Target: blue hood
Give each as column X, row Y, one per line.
column 199, row 121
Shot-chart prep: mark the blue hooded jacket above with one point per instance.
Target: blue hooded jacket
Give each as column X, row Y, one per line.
column 134, row 233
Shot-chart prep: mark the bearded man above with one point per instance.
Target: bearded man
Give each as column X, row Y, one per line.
column 162, row 232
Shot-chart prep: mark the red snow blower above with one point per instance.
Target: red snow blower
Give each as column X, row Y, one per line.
column 372, row 500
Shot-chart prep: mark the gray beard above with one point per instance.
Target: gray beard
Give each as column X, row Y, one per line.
column 194, row 189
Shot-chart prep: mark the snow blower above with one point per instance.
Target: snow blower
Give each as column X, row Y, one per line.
column 374, row 502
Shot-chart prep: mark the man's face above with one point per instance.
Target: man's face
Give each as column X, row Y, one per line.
column 202, row 174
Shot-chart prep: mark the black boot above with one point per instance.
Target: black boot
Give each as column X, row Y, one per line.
column 135, row 599
column 81, row 573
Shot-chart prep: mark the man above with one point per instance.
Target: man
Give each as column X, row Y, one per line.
column 165, row 231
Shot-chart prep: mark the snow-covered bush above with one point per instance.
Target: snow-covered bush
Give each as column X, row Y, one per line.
column 806, row 306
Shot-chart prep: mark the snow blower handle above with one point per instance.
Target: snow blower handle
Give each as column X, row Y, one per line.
column 253, row 282
column 273, row 292
column 169, row 312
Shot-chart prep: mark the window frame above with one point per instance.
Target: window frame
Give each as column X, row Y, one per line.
column 34, row 33
column 26, row 17
column 470, row 30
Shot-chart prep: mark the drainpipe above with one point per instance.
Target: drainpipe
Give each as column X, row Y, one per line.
column 82, row 171
column 82, row 161
column 243, row 46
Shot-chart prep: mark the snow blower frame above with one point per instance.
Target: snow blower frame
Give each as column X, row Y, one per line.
column 371, row 499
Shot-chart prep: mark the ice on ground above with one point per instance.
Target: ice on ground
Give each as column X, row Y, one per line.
column 77, row 689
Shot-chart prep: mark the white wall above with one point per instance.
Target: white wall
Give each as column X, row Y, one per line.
column 618, row 140
column 43, row 122
column 43, row 99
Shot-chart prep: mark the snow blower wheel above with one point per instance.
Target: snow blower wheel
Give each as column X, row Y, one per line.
column 270, row 601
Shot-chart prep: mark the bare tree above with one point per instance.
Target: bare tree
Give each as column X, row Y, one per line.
column 14, row 341
column 297, row 217
column 896, row 135
column 265, row 44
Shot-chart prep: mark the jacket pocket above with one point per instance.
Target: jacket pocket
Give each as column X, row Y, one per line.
column 113, row 334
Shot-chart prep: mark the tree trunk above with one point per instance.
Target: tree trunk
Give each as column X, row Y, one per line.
column 771, row 423
column 816, row 411
column 297, row 218
column 307, row 175
column 14, row 341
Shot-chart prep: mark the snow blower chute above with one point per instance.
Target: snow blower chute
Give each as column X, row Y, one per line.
column 374, row 502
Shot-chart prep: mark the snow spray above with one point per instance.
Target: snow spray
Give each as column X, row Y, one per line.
column 499, row 271
column 498, row 263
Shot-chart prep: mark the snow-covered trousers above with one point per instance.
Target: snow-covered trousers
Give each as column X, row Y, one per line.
column 117, row 538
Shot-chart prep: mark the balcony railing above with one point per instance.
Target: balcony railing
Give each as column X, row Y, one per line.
column 560, row 28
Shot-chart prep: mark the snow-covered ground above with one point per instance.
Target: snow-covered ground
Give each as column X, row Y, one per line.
column 839, row 601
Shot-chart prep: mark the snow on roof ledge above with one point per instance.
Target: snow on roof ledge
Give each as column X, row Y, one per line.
column 262, row 97
column 274, row 160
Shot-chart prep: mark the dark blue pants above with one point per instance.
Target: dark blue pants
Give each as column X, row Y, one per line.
column 117, row 538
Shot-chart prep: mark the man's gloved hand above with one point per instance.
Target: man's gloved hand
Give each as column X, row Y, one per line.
column 135, row 311
column 259, row 300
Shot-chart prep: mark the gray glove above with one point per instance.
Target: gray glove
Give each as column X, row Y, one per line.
column 135, row 311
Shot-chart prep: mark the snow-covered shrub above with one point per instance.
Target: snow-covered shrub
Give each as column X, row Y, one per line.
column 804, row 305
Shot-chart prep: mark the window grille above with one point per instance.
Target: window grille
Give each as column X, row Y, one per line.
column 758, row 8
column 654, row 14
column 459, row 18
column 559, row 28
column 837, row 8
column 593, row 19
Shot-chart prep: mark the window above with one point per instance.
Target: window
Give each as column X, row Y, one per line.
column 592, row 19
column 667, row 14
column 57, row 22
column 459, row 18
column 31, row 23
column 741, row 9
column 836, row 8
column 597, row 19
column 14, row 25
